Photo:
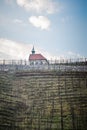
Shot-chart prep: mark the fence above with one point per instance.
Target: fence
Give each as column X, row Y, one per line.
column 56, row 61
column 61, row 65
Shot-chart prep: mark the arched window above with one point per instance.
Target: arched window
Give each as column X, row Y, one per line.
column 36, row 63
column 41, row 63
column 32, row 63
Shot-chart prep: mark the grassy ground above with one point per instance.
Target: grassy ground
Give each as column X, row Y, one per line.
column 43, row 101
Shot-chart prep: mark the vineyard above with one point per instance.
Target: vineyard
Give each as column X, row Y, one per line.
column 43, row 100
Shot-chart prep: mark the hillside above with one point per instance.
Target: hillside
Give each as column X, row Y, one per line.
column 43, row 100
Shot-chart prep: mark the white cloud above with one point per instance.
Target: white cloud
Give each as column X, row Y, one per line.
column 68, row 55
column 17, row 21
column 10, row 50
column 40, row 22
column 74, row 55
column 14, row 50
column 39, row 6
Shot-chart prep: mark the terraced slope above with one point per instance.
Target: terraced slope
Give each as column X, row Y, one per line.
column 43, row 101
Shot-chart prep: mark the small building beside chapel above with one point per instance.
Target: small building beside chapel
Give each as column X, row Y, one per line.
column 37, row 59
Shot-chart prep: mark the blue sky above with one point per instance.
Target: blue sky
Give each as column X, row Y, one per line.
column 57, row 28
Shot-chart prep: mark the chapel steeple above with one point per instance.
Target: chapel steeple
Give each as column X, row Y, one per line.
column 33, row 51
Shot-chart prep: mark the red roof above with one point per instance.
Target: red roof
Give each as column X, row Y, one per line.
column 36, row 57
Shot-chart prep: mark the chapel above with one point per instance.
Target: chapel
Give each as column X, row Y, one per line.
column 37, row 59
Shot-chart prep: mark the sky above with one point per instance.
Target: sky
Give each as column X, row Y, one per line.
column 56, row 28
